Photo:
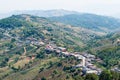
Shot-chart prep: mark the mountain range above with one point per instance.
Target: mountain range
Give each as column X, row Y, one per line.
column 90, row 21
column 40, row 13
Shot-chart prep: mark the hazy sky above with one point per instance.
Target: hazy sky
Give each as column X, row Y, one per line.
column 108, row 7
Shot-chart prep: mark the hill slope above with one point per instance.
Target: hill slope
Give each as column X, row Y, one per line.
column 24, row 26
column 90, row 21
column 22, row 56
column 23, row 39
column 107, row 48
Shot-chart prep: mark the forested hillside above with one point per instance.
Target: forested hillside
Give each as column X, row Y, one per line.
column 107, row 48
column 37, row 48
column 90, row 21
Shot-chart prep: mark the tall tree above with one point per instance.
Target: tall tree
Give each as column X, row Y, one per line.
column 105, row 75
column 91, row 77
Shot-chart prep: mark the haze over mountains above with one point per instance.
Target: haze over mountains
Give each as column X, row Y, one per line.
column 40, row 13
column 90, row 21
column 43, row 13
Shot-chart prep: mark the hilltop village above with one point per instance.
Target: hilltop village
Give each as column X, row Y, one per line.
column 86, row 59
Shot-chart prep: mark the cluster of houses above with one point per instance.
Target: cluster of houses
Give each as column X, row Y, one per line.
column 116, row 69
column 34, row 41
column 29, row 40
column 86, row 59
column 118, row 42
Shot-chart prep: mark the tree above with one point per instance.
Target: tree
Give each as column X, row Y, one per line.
column 59, row 64
column 67, row 76
column 55, row 72
column 3, row 63
column 41, row 55
column 6, row 59
column 105, row 75
column 78, row 78
column 13, row 40
column 18, row 52
column 51, row 63
column 91, row 77
column 66, row 68
column 43, row 78
column 115, row 75
column 41, row 69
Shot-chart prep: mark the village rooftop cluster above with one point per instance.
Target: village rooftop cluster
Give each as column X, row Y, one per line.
column 86, row 59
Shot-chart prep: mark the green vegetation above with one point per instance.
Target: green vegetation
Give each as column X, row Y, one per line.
column 90, row 21
column 23, row 39
column 106, row 48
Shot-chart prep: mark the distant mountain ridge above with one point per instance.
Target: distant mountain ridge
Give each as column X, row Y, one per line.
column 40, row 13
column 90, row 21
column 94, row 22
